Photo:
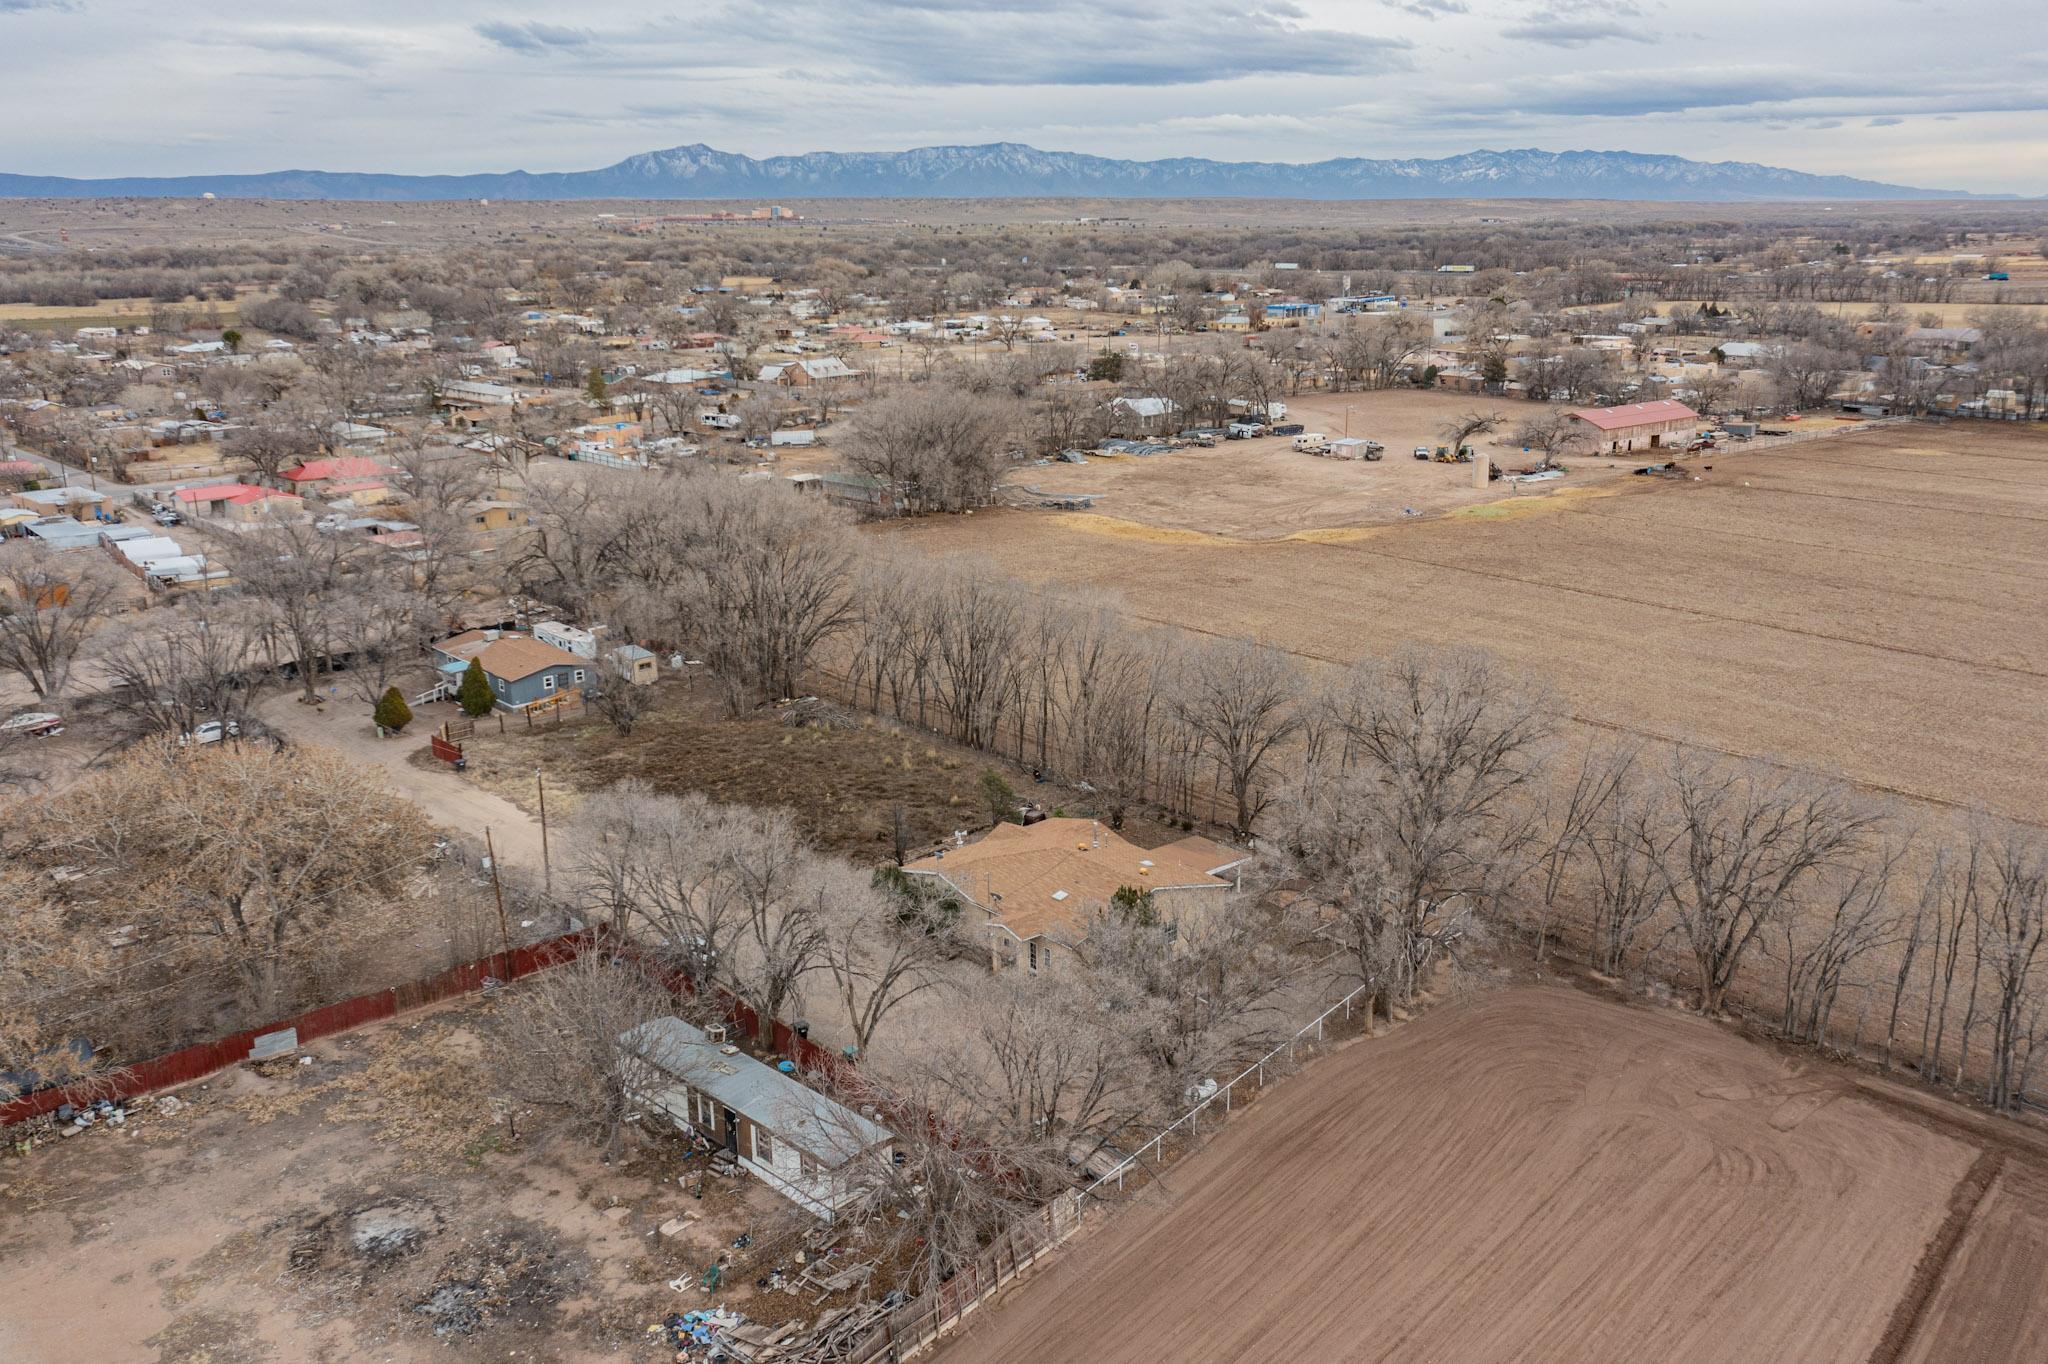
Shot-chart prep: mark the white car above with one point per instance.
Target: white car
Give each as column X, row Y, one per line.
column 211, row 732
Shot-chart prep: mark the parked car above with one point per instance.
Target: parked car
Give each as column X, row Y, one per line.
column 210, row 732
column 1422, row 452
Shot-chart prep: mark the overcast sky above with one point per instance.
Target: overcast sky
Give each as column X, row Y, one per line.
column 1923, row 92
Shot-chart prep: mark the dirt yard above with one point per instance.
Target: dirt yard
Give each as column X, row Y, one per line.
column 840, row 777
column 1263, row 489
column 367, row 1206
column 1541, row 1174
column 1859, row 604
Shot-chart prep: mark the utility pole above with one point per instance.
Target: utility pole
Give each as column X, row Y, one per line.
column 547, row 865
column 498, row 889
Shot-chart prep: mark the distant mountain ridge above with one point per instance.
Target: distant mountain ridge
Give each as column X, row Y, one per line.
column 1009, row 170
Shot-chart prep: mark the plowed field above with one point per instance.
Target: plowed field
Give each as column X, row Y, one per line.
column 1541, row 1175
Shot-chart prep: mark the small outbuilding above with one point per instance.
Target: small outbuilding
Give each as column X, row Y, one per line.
column 797, row 1141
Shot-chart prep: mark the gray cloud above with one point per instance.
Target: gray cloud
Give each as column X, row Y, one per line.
column 24, row 6
column 534, row 36
column 1070, row 42
column 1889, row 121
column 1581, row 23
column 1429, row 9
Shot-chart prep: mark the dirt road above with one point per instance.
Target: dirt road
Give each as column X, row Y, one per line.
column 461, row 807
column 1537, row 1174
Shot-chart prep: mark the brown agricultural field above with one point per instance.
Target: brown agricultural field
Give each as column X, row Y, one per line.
column 1539, row 1174
column 1867, row 604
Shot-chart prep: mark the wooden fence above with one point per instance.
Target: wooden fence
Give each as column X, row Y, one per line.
column 205, row 1058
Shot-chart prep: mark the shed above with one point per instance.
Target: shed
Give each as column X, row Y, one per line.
column 786, row 1134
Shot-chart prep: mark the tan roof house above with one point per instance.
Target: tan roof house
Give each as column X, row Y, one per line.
column 1040, row 887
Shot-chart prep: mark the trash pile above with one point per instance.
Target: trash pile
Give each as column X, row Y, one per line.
column 695, row 1334
column 71, row 1120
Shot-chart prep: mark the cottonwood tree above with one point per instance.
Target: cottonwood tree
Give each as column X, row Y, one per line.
column 555, row 1050
column 258, row 858
column 885, row 944
column 1748, row 844
column 46, row 966
column 956, row 1175
column 1241, row 699
column 1850, row 914
column 1414, row 816
column 284, row 439
column 50, row 605
column 1604, row 775
column 1456, row 432
column 942, row 448
column 2015, row 919
column 1198, row 993
column 298, row 575
column 1552, row 436
column 168, row 670
column 647, row 864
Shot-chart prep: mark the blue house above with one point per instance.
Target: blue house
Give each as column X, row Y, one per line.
column 523, row 672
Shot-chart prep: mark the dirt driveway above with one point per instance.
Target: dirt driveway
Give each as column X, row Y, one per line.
column 461, row 807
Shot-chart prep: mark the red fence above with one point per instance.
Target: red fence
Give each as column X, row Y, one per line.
column 196, row 1062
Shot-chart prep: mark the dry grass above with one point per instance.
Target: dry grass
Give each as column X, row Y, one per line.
column 1854, row 605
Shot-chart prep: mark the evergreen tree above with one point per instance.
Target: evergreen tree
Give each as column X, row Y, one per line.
column 392, row 713
column 476, row 695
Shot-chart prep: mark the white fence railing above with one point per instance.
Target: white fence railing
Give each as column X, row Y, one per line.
column 1255, row 1074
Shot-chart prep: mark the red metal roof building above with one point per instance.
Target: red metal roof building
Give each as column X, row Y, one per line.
column 1621, row 427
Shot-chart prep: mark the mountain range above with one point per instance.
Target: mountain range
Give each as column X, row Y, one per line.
column 1013, row 170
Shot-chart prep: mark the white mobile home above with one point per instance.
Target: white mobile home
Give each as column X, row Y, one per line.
column 789, row 1136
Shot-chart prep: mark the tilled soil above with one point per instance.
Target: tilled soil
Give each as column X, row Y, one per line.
column 1537, row 1174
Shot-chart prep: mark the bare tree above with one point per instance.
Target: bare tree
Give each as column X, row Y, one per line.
column 166, row 671
column 1553, row 436
column 943, row 449
column 1851, row 915
column 2015, row 916
column 1461, row 429
column 1605, row 773
column 1748, row 843
column 1242, row 700
column 885, row 945
column 556, row 1049
column 298, row 574
column 50, row 607
column 1414, row 818
column 242, row 853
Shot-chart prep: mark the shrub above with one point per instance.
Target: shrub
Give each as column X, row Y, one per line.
column 392, row 713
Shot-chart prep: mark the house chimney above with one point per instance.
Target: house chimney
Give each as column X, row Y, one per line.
column 1095, row 833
